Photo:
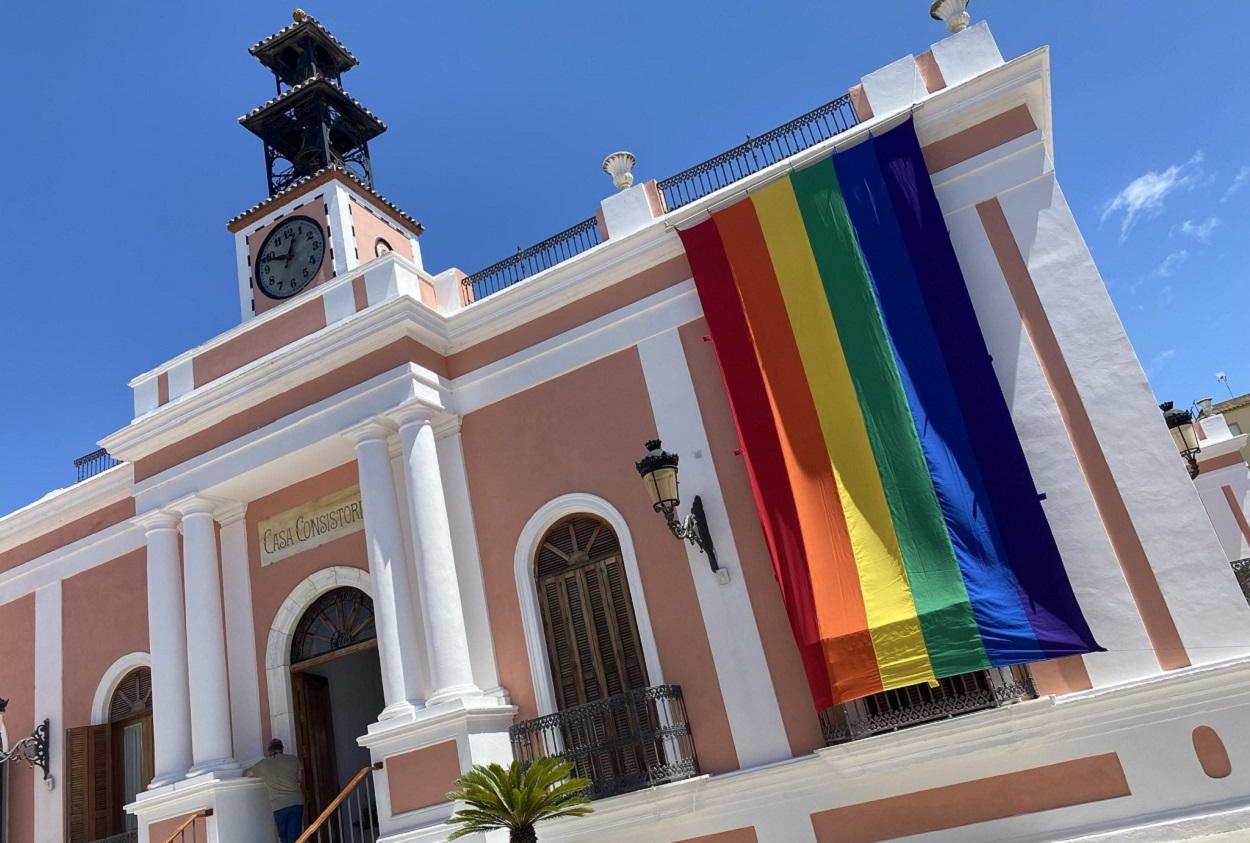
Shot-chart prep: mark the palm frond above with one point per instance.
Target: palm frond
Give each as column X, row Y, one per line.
column 518, row 796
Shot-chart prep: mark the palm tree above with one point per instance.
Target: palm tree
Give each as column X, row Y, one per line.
column 517, row 797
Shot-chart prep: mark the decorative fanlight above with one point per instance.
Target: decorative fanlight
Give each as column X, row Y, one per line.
column 32, row 750
column 658, row 470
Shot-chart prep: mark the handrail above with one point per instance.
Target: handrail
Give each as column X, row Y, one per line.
column 203, row 812
column 336, row 802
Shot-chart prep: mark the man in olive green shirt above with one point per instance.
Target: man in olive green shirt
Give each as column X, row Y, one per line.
column 282, row 777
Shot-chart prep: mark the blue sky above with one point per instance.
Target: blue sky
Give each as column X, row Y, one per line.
column 123, row 159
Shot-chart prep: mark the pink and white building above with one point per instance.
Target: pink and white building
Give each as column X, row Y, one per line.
column 392, row 518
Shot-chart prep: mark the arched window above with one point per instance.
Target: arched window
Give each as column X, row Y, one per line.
column 588, row 616
column 108, row 765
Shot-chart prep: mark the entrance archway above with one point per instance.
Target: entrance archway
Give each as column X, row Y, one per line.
column 336, row 690
column 324, row 679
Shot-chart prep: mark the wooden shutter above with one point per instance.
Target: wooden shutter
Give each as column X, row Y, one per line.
column 588, row 617
column 89, row 807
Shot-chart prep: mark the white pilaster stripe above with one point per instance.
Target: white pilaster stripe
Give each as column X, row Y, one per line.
column 49, row 806
column 468, row 561
column 339, row 301
column 240, row 641
column 244, row 272
column 341, row 239
column 741, row 668
column 181, row 378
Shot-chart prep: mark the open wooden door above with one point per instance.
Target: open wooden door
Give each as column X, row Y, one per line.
column 314, row 741
column 90, row 807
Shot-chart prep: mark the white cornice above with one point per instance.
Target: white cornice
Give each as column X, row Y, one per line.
column 62, row 506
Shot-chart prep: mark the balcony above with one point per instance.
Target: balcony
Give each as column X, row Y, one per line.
column 626, row 742
column 94, row 463
column 901, row 708
column 807, row 130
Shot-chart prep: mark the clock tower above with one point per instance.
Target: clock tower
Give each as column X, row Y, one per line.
column 322, row 217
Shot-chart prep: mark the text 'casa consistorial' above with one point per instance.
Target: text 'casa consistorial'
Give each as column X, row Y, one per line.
column 310, row 525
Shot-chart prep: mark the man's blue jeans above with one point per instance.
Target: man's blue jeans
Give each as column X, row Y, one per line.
column 290, row 822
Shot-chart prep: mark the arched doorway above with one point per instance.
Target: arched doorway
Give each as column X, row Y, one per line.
column 587, row 611
column 336, row 691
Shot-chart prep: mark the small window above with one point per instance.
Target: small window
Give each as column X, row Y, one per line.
column 1234, row 428
column 380, row 247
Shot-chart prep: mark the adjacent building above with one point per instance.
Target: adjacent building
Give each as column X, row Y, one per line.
column 393, row 516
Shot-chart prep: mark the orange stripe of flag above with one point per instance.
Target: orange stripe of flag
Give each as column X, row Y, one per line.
column 841, row 618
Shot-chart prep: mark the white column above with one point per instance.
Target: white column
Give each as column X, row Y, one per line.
column 236, row 582
column 211, row 747
column 49, row 807
column 388, row 569
column 167, row 634
column 451, row 668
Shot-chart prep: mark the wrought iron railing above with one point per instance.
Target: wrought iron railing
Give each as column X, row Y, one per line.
column 93, row 463
column 351, row 817
column 917, row 704
column 526, row 262
column 626, row 742
column 1241, row 570
column 819, row 124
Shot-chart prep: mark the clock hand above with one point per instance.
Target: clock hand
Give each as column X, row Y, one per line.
column 290, row 253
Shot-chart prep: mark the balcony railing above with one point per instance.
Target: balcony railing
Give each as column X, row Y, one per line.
column 526, row 262
column 626, row 742
column 916, row 704
column 1241, row 570
column 94, row 463
column 817, row 125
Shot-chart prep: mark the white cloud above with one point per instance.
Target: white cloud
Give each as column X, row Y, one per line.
column 1159, row 359
column 1146, row 193
column 1239, row 181
column 1200, row 231
column 1170, row 263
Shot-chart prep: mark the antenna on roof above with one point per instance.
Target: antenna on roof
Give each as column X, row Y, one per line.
column 1222, row 377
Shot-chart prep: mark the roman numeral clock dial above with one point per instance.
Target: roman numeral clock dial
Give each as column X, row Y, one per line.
column 290, row 257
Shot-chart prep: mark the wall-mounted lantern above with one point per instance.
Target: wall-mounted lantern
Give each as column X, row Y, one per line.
column 658, row 470
column 1181, row 425
column 32, row 750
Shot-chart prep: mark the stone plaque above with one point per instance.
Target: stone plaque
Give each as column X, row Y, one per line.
column 310, row 525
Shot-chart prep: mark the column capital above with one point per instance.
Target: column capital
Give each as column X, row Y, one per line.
column 201, row 505
column 229, row 512
column 158, row 519
column 377, row 429
column 415, row 412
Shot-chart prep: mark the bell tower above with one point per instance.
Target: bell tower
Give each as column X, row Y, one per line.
column 322, row 217
column 312, row 123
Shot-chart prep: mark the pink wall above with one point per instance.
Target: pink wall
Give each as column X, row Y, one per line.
column 422, row 778
column 582, row 432
column 369, row 227
column 104, row 617
column 17, row 684
column 71, row 531
column 272, row 583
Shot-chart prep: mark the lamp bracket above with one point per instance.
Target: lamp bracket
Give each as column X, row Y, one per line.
column 32, row 750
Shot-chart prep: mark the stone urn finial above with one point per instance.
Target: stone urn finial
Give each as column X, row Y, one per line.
column 953, row 13
column 618, row 165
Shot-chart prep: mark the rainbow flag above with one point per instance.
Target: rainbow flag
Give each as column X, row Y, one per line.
column 906, row 532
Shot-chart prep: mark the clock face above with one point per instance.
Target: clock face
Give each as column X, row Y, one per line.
column 290, row 257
